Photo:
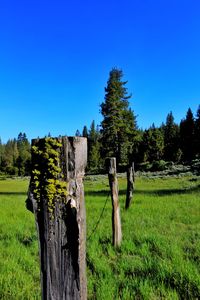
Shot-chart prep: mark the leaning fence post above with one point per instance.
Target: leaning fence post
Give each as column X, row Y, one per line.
column 116, row 221
column 130, row 185
column 56, row 197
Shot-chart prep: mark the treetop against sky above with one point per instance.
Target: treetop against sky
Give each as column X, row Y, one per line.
column 55, row 60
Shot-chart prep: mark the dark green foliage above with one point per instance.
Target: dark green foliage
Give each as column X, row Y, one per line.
column 158, row 165
column 170, row 142
column 23, row 160
column 94, row 156
column 15, row 156
column 187, row 130
column 119, row 123
column 152, row 144
column 171, row 139
column 197, row 133
column 9, row 158
column 77, row 133
column 1, row 153
column 85, row 132
column 119, row 136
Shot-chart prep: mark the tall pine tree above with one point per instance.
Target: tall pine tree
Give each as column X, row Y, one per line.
column 171, row 139
column 119, row 122
column 94, row 158
column 187, row 127
column 197, row 133
column 23, row 161
column 152, row 144
column 85, row 132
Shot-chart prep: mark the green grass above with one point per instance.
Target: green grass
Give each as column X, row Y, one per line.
column 160, row 253
column 19, row 263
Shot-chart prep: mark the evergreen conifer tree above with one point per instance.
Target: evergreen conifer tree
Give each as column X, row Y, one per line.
column 94, row 158
column 77, row 133
column 1, row 152
column 187, row 127
column 197, row 133
column 171, row 139
column 23, row 160
column 85, row 132
column 9, row 157
column 152, row 144
column 119, row 122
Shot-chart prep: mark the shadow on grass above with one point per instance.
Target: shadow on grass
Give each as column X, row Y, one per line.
column 13, row 193
column 158, row 192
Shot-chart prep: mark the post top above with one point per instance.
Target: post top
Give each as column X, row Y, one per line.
column 111, row 163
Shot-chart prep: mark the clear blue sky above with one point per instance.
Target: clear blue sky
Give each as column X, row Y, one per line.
column 55, row 58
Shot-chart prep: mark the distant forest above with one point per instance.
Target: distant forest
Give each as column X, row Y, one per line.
column 118, row 135
column 171, row 142
column 154, row 148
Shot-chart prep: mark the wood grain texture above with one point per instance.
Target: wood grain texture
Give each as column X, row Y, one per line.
column 62, row 239
column 116, row 220
column 130, row 185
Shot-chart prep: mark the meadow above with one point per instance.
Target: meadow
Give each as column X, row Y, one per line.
column 159, row 257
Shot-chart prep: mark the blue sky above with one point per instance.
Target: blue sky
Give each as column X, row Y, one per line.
column 55, row 58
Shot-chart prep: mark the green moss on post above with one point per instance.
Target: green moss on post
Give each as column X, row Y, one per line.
column 47, row 180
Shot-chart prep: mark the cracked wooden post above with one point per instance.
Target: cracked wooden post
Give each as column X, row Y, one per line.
column 130, row 185
column 56, row 197
column 116, row 221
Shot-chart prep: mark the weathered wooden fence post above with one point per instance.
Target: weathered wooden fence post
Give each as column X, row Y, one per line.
column 130, row 185
column 116, row 221
column 56, row 197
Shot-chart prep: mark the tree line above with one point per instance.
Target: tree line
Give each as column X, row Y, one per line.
column 119, row 136
column 149, row 148
column 15, row 156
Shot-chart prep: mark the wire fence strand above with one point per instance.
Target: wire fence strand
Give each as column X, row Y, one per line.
column 101, row 215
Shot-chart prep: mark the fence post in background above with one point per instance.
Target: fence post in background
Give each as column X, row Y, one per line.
column 116, row 221
column 56, row 197
column 130, row 185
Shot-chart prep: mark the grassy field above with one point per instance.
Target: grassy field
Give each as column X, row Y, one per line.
column 159, row 257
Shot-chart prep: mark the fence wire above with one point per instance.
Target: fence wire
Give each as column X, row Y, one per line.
column 101, row 215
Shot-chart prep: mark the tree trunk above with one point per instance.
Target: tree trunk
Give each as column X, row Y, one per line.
column 56, row 197
column 130, row 185
column 116, row 221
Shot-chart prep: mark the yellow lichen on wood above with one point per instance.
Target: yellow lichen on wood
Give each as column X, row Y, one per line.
column 47, row 180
